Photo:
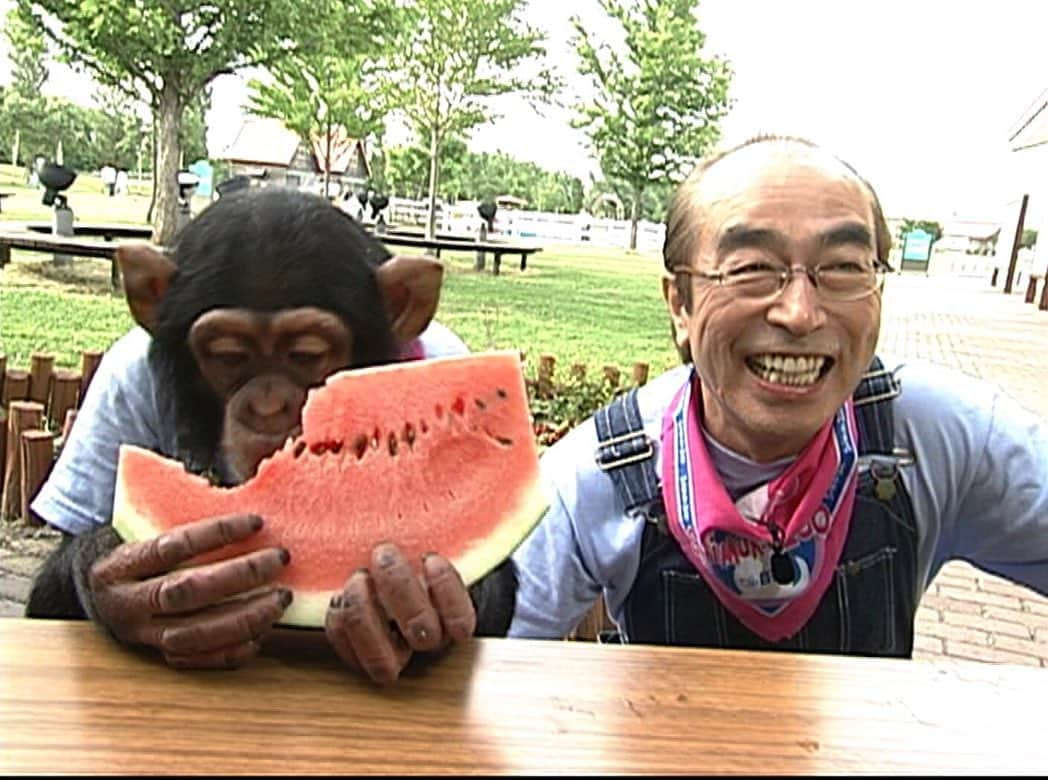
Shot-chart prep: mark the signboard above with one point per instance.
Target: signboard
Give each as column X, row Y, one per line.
column 917, row 246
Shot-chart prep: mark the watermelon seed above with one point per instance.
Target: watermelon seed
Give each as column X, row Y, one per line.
column 319, row 448
column 439, row 410
column 299, row 449
column 360, row 445
column 375, row 439
column 409, row 434
column 336, row 446
column 392, row 444
column 480, row 404
column 423, row 426
column 501, row 393
column 504, row 441
column 459, row 407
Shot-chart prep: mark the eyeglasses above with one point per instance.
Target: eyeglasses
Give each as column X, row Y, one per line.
column 835, row 281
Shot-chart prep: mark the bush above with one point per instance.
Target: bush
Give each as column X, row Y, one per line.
column 557, row 406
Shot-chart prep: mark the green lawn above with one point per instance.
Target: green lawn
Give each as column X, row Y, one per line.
column 581, row 304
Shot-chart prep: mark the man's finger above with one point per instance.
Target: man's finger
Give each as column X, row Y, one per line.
column 138, row 560
column 405, row 599
column 450, row 597
column 227, row 625
column 360, row 632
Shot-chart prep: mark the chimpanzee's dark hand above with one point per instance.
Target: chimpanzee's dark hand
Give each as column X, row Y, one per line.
column 387, row 612
column 190, row 614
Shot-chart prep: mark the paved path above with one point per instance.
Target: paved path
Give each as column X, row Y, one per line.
column 956, row 321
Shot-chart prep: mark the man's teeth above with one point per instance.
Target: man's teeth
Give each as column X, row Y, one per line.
column 788, row 369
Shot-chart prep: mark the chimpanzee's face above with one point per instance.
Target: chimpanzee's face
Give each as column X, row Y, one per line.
column 260, row 365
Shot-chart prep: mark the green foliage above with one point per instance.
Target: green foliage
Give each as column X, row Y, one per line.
column 168, row 53
column 658, row 100
column 331, row 91
column 934, row 229
column 1029, row 238
column 470, row 175
column 453, row 56
column 566, row 403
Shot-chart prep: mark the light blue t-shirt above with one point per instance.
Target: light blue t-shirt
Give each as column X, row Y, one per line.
column 979, row 487
column 122, row 407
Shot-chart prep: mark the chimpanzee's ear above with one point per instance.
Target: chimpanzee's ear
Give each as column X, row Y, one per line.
column 147, row 272
column 410, row 287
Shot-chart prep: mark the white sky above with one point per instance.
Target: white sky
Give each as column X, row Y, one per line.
column 918, row 95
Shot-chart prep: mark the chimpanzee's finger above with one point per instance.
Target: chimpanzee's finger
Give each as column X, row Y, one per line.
column 230, row 657
column 196, row 587
column 450, row 597
column 405, row 599
column 359, row 631
column 137, row 560
column 226, row 625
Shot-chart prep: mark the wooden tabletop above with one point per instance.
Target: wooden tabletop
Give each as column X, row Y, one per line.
column 71, row 701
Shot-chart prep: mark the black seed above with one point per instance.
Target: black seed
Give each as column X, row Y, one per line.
column 299, row 449
column 480, row 404
column 504, row 441
column 360, row 445
column 501, row 393
column 409, row 434
column 392, row 444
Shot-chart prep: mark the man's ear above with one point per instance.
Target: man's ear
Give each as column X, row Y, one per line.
column 147, row 273
column 410, row 287
column 679, row 314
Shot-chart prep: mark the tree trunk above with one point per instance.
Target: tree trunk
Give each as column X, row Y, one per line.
column 152, row 191
column 634, row 217
column 170, row 128
column 327, row 159
column 434, row 175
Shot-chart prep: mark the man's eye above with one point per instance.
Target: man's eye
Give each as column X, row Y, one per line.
column 757, row 268
column 846, row 267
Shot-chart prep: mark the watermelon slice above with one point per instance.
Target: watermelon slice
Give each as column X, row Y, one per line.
column 434, row 455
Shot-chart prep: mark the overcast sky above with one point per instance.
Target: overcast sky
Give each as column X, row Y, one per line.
column 919, row 95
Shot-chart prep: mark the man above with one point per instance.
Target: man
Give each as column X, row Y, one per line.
column 783, row 489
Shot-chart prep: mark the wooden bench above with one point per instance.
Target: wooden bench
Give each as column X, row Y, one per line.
column 497, row 249
column 106, row 231
column 68, row 245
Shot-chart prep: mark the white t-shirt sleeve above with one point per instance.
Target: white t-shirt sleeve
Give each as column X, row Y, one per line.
column 119, row 407
column 440, row 341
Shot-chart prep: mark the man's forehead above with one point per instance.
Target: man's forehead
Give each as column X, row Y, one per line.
column 758, row 170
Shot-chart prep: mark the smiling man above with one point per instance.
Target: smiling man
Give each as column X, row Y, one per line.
column 785, row 488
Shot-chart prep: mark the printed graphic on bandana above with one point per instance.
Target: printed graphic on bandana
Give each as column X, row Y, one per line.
column 744, row 566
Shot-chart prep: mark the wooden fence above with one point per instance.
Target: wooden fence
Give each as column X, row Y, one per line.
column 38, row 407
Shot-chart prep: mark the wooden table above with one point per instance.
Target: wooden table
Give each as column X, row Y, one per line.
column 73, row 702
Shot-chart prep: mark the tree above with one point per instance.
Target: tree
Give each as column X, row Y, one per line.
column 658, row 100
column 23, row 105
column 167, row 53
column 454, row 56
column 1029, row 239
column 329, row 92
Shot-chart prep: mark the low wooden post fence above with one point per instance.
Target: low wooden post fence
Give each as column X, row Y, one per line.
column 37, row 408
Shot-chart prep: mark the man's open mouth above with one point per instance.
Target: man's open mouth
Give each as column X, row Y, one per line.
column 793, row 370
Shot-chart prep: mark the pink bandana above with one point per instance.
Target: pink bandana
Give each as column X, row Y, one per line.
column 770, row 556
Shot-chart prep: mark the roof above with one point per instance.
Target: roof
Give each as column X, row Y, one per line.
column 261, row 140
column 971, row 229
column 1031, row 129
column 266, row 141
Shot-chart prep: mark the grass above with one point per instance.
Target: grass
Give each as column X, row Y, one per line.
column 593, row 305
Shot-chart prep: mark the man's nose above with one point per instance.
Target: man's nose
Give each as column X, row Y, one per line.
column 798, row 308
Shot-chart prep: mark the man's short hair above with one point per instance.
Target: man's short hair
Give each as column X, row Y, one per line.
column 682, row 214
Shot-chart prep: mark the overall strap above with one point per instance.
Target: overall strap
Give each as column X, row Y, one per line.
column 626, row 453
column 873, row 409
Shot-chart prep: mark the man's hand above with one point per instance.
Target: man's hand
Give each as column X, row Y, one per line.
column 386, row 613
column 192, row 615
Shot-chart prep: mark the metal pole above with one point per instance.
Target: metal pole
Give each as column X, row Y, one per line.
column 1015, row 245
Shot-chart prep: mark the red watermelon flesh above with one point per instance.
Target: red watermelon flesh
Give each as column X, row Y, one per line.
column 433, row 455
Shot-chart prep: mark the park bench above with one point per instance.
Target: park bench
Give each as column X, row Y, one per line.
column 106, row 231
column 63, row 245
column 497, row 248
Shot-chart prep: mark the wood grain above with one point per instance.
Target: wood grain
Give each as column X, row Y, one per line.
column 71, row 701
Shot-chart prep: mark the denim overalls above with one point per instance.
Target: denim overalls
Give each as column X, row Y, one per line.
column 869, row 607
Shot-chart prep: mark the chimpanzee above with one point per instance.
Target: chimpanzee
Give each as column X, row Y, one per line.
column 265, row 294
